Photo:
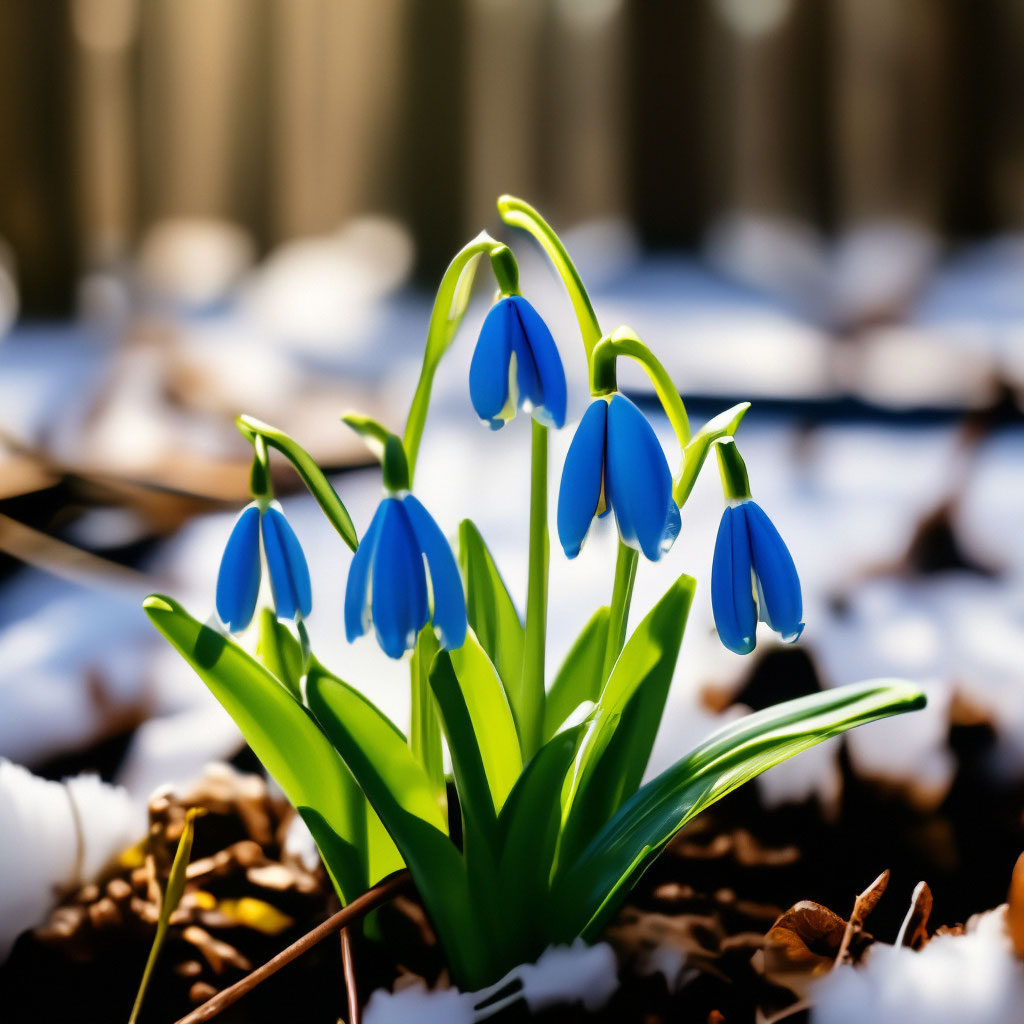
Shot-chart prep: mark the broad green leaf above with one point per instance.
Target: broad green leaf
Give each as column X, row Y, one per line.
column 489, row 608
column 403, row 796
column 282, row 734
column 528, row 827
column 280, row 652
column 642, row 674
column 489, row 717
column 592, row 888
column 579, row 678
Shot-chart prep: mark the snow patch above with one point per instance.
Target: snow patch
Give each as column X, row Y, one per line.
column 956, row 978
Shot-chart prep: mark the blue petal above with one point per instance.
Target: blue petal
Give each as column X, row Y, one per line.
column 732, row 588
column 782, row 604
column 639, row 481
column 289, row 573
column 357, row 594
column 489, row 370
column 550, row 399
column 238, row 580
column 582, row 475
column 449, row 612
column 399, row 594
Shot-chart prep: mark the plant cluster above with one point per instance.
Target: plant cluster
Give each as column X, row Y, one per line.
column 556, row 825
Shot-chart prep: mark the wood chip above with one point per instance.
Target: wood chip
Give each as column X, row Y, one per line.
column 219, row 955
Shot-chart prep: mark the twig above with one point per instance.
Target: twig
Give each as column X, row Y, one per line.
column 382, row 892
column 349, row 966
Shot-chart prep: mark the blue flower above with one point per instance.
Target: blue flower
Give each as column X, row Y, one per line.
column 753, row 573
column 616, row 463
column 238, row 581
column 516, row 365
column 388, row 584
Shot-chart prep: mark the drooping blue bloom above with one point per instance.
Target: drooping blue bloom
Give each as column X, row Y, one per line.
column 753, row 576
column 238, row 581
column 516, row 365
column 616, row 463
column 388, row 584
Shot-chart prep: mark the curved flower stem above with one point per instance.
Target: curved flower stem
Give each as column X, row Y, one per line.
column 519, row 214
column 259, row 475
column 622, row 595
column 449, row 308
column 312, row 475
column 624, row 342
column 530, row 710
column 722, row 426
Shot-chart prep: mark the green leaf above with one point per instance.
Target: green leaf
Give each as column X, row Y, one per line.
column 579, row 678
column 528, row 827
column 310, row 473
column 171, row 899
column 282, row 734
column 405, row 799
column 280, row 652
column 479, row 700
column 632, row 701
column 725, row 424
column 489, row 608
column 592, row 888
column 424, row 727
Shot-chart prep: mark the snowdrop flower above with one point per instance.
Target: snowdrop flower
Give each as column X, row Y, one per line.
column 615, row 463
column 516, row 365
column 238, row 582
column 388, row 581
column 753, row 575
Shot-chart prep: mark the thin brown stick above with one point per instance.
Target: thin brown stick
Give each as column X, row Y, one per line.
column 357, row 909
column 349, row 966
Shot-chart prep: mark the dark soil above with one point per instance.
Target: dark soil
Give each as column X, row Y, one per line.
column 713, row 895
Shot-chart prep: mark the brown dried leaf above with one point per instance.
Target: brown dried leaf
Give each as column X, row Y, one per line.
column 806, row 937
column 862, row 907
column 1015, row 911
column 914, row 930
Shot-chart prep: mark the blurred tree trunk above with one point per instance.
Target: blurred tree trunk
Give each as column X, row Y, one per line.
column 202, row 110
column 37, row 205
column 892, row 85
column 335, row 69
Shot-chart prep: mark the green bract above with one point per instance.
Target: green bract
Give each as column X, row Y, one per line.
column 556, row 825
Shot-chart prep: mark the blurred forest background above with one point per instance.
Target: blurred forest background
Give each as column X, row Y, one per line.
column 284, row 118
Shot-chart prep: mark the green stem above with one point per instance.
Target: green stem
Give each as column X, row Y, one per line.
column 259, row 474
column 622, row 595
column 519, row 214
column 735, row 483
column 725, row 424
column 424, row 727
column 624, row 342
column 532, row 694
column 312, row 475
column 449, row 309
